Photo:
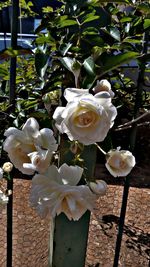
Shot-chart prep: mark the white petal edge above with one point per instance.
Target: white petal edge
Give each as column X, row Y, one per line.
column 70, row 175
column 71, row 93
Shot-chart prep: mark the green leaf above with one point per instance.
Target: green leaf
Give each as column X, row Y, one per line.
column 115, row 33
column 137, row 21
column 68, row 22
column 88, row 81
column 30, row 104
column 146, row 24
column 126, row 19
column 42, row 39
column 64, row 48
column 132, row 40
column 89, row 65
column 88, row 18
column 67, row 62
column 65, row 22
column 90, row 31
column 3, row 71
column 144, row 8
column 97, row 51
column 72, row 65
column 116, row 1
column 111, row 62
column 47, row 9
column 41, row 62
column 9, row 52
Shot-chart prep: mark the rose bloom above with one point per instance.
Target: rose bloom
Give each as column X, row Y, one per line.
column 103, row 85
column 86, row 118
column 20, row 143
column 56, row 192
column 7, row 167
column 119, row 162
column 99, row 187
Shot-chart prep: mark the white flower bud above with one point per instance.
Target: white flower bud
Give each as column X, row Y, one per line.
column 7, row 167
column 98, row 187
column 119, row 162
column 103, row 85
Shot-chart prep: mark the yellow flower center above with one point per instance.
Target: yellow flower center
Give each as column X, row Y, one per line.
column 22, row 154
column 37, row 161
column 85, row 117
column 122, row 164
column 117, row 162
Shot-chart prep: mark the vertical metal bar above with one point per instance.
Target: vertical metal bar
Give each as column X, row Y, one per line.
column 139, row 91
column 3, row 28
column 132, row 145
column 14, row 28
column 121, row 222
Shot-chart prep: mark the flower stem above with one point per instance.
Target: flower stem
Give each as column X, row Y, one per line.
column 100, row 149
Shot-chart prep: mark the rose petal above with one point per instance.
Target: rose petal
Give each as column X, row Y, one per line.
column 71, row 93
column 70, row 174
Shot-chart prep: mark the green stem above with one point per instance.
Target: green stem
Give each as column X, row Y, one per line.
column 79, row 32
column 100, row 149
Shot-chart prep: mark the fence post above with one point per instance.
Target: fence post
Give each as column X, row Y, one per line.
column 12, row 85
column 70, row 237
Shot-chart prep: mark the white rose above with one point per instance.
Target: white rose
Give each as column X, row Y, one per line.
column 119, row 162
column 86, row 118
column 56, row 192
column 103, row 85
column 7, row 167
column 20, row 143
column 1, row 173
column 98, row 187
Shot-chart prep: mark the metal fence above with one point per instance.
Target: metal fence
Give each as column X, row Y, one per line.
column 127, row 184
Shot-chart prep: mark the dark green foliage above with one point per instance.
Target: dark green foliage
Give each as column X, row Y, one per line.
column 78, row 43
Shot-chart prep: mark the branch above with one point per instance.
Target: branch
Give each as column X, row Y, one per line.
column 133, row 121
column 146, row 123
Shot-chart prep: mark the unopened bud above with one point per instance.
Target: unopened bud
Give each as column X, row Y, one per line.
column 98, row 187
column 7, row 167
column 74, row 147
column 46, row 99
column 9, row 192
column 103, row 85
